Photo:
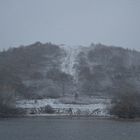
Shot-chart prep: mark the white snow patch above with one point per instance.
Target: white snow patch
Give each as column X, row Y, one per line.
column 69, row 61
column 99, row 109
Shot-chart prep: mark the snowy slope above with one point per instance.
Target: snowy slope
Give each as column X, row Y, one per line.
column 70, row 59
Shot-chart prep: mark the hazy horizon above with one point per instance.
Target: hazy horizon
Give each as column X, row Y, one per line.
column 75, row 22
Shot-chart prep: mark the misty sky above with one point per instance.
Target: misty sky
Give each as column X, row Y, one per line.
column 72, row 22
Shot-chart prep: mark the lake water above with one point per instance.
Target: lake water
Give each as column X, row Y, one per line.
column 41, row 128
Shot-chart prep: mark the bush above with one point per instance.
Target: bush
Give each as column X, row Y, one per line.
column 124, row 110
column 126, row 107
column 6, row 111
column 8, row 103
column 49, row 109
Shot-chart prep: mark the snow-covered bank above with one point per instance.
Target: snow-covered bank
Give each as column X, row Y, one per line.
column 37, row 107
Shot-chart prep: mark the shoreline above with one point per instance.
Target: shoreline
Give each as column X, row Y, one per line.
column 74, row 117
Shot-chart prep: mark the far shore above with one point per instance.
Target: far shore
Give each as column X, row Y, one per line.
column 72, row 117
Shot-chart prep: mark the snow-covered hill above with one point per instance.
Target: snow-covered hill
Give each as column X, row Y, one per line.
column 52, row 72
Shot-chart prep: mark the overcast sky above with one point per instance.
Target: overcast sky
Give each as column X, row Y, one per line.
column 72, row 22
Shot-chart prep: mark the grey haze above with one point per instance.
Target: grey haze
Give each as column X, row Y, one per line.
column 72, row 22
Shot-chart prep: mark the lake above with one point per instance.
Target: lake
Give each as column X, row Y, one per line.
column 42, row 128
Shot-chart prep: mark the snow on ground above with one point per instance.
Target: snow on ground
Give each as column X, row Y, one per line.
column 70, row 59
column 99, row 109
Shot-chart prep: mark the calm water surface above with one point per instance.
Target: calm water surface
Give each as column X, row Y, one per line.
column 41, row 128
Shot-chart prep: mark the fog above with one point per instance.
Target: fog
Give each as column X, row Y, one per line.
column 72, row 22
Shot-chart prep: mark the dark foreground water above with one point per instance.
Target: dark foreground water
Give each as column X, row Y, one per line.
column 41, row 128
